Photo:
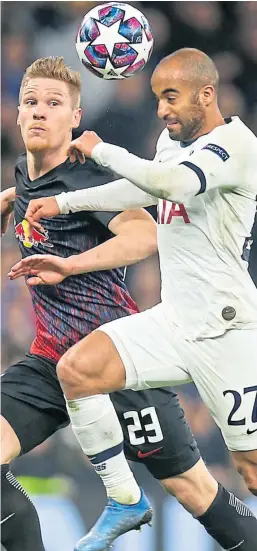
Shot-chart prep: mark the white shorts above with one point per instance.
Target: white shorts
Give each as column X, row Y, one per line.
column 224, row 369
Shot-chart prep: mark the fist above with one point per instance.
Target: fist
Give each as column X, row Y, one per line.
column 83, row 146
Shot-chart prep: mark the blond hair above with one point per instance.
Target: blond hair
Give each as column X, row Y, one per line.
column 55, row 68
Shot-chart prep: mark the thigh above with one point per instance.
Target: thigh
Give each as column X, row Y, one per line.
column 32, row 401
column 146, row 345
column 224, row 370
column 155, row 431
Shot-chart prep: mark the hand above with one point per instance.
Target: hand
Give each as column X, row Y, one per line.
column 41, row 208
column 83, row 146
column 45, row 269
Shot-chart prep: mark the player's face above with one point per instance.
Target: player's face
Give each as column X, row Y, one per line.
column 47, row 115
column 178, row 105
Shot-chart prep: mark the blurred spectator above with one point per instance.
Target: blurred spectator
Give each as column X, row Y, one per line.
column 11, row 140
column 130, row 118
column 248, row 36
column 231, row 100
column 15, row 58
column 205, row 17
column 229, row 66
column 162, row 27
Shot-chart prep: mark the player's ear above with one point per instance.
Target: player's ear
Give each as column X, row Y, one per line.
column 18, row 118
column 207, row 95
column 76, row 119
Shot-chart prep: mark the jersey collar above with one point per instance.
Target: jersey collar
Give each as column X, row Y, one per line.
column 186, row 144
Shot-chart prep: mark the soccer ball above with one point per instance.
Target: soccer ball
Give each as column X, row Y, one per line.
column 114, row 41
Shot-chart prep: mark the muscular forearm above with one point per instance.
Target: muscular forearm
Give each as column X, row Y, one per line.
column 122, row 250
column 166, row 181
column 118, row 195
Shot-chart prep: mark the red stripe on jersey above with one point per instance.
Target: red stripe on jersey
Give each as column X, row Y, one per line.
column 164, row 204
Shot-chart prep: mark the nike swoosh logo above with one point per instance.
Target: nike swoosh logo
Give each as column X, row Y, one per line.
column 250, row 431
column 142, row 455
column 6, row 518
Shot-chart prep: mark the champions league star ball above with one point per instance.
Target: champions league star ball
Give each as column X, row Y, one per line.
column 114, row 41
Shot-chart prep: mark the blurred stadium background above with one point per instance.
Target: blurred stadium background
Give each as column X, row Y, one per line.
column 67, row 492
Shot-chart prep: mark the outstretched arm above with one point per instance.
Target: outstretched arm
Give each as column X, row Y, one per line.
column 118, row 195
column 164, row 181
column 207, row 169
column 115, row 196
column 135, row 239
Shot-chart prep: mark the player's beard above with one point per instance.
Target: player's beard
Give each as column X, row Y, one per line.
column 194, row 119
column 36, row 144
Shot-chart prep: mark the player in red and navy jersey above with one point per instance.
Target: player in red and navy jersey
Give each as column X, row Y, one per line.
column 66, row 313
column 93, row 247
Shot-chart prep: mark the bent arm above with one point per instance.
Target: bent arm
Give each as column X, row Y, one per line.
column 118, row 195
column 168, row 181
column 135, row 239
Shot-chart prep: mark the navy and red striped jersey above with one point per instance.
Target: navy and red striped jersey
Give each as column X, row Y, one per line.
column 67, row 312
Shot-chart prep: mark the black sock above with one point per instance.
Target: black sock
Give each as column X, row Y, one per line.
column 20, row 528
column 230, row 522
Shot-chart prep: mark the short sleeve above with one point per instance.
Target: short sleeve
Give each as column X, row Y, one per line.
column 104, row 217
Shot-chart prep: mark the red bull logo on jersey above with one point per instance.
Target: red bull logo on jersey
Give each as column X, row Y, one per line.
column 30, row 237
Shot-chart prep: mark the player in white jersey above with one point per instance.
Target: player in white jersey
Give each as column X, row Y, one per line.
column 205, row 328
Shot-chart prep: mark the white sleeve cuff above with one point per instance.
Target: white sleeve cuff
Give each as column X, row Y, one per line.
column 62, row 201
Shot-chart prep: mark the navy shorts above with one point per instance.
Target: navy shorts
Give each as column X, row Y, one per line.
column 155, row 429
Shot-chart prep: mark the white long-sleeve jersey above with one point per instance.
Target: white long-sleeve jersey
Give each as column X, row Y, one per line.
column 205, row 216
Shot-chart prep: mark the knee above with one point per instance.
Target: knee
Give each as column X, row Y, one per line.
column 250, row 477
column 76, row 375
column 249, row 473
column 92, row 366
column 69, row 372
column 246, row 465
column 10, row 444
column 66, row 369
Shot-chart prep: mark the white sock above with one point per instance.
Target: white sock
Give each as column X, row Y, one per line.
column 96, row 426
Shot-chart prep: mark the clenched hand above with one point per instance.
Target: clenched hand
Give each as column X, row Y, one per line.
column 83, row 146
column 46, row 207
